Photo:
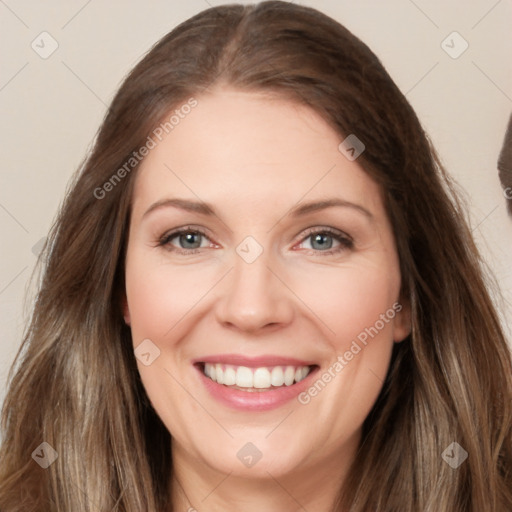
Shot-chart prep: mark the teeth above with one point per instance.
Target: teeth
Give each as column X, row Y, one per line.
column 289, row 375
column 277, row 378
column 261, row 378
column 229, row 376
column 255, row 378
column 220, row 373
column 244, row 378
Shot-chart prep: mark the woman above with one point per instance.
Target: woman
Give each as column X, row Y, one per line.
column 261, row 293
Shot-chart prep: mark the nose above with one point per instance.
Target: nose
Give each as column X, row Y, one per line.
column 253, row 298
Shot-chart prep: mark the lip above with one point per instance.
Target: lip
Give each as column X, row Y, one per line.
column 256, row 401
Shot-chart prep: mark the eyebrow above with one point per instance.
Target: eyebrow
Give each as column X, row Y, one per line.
column 302, row 209
column 305, row 208
column 182, row 204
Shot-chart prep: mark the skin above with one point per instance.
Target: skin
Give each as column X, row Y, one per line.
column 253, row 158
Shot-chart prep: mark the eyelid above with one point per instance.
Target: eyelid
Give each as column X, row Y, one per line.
column 325, row 229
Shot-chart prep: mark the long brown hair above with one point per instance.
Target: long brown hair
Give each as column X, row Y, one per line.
column 75, row 384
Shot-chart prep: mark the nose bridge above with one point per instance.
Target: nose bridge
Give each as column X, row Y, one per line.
column 252, row 296
column 253, row 275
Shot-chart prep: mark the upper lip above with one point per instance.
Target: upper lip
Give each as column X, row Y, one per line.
column 253, row 362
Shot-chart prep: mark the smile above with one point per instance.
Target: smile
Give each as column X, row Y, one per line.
column 254, row 383
column 255, row 379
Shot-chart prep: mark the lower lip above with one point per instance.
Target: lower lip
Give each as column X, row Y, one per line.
column 255, row 400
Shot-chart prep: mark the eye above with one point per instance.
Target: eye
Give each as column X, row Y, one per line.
column 326, row 241
column 189, row 240
column 185, row 240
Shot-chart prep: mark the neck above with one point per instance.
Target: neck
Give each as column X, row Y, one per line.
column 197, row 487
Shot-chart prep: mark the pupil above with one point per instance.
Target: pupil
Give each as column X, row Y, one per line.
column 323, row 241
column 189, row 239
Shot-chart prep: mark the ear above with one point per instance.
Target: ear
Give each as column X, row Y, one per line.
column 126, row 310
column 402, row 326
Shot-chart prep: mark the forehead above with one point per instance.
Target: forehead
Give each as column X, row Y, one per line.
column 247, row 148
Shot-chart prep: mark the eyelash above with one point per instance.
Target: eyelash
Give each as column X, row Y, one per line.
column 345, row 241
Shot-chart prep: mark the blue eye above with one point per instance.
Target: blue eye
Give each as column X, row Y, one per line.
column 327, row 241
column 187, row 240
column 321, row 241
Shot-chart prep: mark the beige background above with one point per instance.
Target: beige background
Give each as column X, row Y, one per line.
column 51, row 108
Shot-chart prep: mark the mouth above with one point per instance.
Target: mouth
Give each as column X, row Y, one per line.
column 255, row 384
column 260, row 379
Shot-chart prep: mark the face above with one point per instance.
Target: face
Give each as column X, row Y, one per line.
column 262, row 288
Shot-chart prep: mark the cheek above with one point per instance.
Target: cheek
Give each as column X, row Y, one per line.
column 356, row 303
column 351, row 299
column 159, row 295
